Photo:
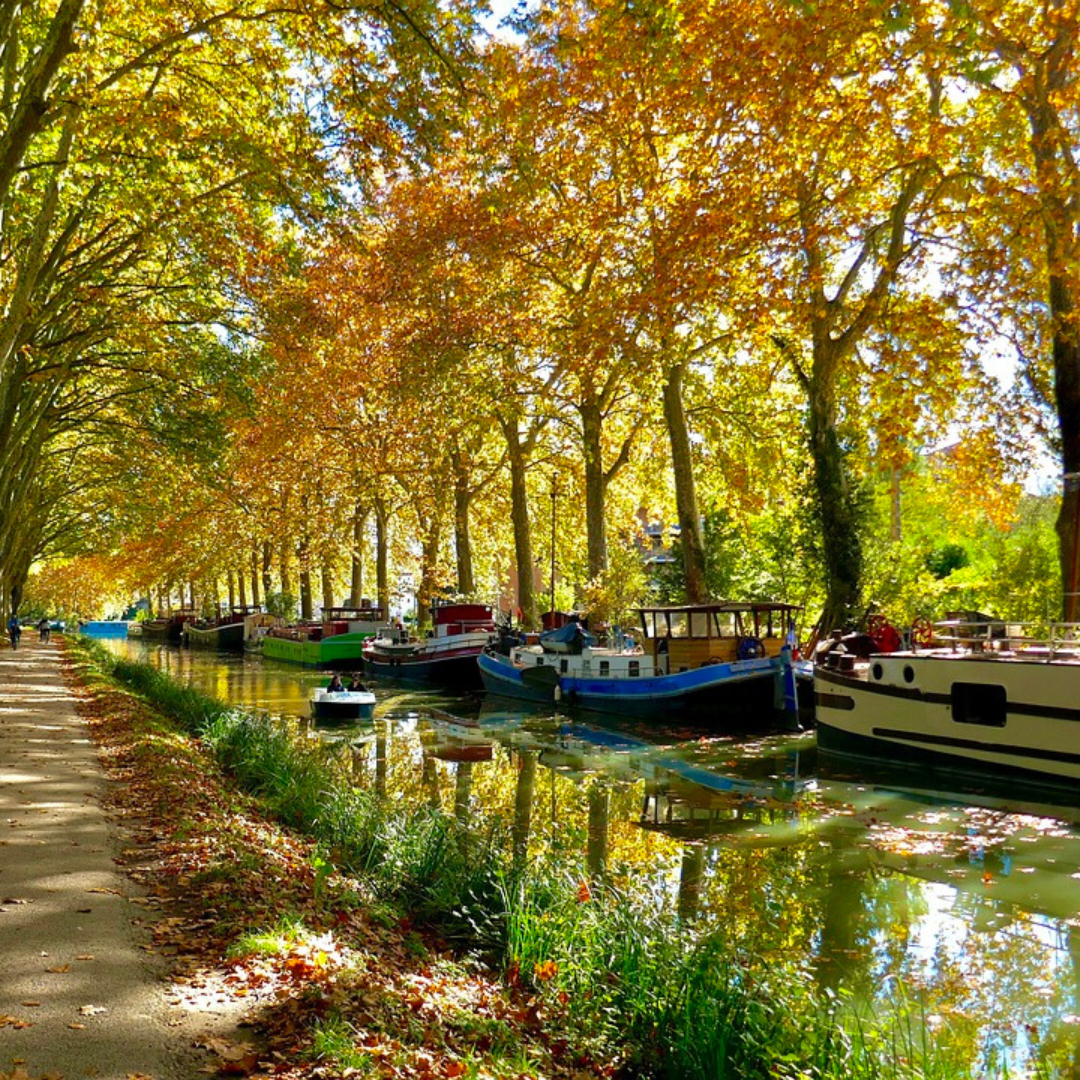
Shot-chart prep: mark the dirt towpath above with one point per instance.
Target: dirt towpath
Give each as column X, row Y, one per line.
column 78, row 996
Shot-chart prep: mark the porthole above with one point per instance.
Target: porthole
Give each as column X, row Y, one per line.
column 877, row 671
column 909, row 673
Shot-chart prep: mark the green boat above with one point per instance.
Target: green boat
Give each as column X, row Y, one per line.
column 335, row 642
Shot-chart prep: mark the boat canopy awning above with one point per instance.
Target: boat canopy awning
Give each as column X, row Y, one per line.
column 719, row 619
column 572, row 634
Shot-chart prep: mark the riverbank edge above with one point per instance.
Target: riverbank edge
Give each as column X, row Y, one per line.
column 296, row 970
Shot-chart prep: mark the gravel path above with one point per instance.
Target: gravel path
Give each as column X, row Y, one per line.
column 79, row 997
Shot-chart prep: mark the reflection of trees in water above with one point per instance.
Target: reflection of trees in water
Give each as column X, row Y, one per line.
column 430, row 781
column 382, row 733
column 845, row 933
column 524, row 792
column 693, row 863
column 599, row 818
column 463, row 792
column 1073, row 997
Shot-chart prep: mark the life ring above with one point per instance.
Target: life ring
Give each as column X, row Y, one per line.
column 749, row 648
column 885, row 636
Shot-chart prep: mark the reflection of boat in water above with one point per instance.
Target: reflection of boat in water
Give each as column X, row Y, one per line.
column 978, row 701
column 342, row 705
column 727, row 663
column 456, row 738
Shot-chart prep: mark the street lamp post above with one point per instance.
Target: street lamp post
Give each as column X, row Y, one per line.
column 554, row 494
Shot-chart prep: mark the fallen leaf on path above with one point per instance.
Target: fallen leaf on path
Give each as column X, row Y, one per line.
column 229, row 1051
column 31, row 1004
column 77, row 1026
column 91, row 1010
column 244, row 1067
column 60, row 969
column 85, row 956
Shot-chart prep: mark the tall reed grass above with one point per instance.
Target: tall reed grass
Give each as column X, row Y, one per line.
column 627, row 978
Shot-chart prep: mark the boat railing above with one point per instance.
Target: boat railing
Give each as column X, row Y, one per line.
column 1056, row 640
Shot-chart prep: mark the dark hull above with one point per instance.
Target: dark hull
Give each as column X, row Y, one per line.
column 851, row 757
column 340, row 712
column 459, row 671
column 745, row 701
column 217, row 637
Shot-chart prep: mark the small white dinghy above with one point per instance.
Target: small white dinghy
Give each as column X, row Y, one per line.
column 342, row 704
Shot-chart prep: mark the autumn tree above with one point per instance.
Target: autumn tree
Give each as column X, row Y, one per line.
column 1019, row 63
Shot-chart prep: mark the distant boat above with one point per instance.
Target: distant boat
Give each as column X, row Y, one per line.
column 447, row 658
column 113, row 628
column 168, row 628
column 256, row 627
column 724, row 662
column 342, row 705
column 224, row 632
column 974, row 699
column 337, row 641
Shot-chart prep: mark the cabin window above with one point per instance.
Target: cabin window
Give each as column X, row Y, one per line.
column 564, row 666
column 539, row 661
column 977, row 703
column 725, row 624
column 635, row 668
column 877, row 671
column 648, row 621
column 605, row 667
column 679, row 624
column 699, row 624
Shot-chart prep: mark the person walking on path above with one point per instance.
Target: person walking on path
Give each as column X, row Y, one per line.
column 77, row 996
column 43, row 628
column 14, row 630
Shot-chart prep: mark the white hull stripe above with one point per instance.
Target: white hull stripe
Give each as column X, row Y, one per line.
column 1013, row 708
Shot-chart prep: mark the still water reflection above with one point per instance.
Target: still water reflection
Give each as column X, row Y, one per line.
column 967, row 904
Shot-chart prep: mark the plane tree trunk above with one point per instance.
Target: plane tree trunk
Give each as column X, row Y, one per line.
column 690, row 538
column 519, row 516
column 356, row 583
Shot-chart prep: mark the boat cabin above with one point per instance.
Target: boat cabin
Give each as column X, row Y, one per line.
column 453, row 618
column 351, row 620
column 690, row 636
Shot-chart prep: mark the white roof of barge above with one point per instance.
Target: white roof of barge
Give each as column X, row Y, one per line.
column 724, row 605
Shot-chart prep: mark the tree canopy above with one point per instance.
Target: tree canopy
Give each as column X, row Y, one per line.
column 344, row 300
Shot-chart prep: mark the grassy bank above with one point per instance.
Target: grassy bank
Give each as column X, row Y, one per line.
column 617, row 986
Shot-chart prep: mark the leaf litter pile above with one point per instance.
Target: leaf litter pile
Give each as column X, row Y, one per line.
column 329, row 981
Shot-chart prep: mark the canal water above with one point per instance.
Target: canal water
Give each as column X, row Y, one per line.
column 968, row 906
